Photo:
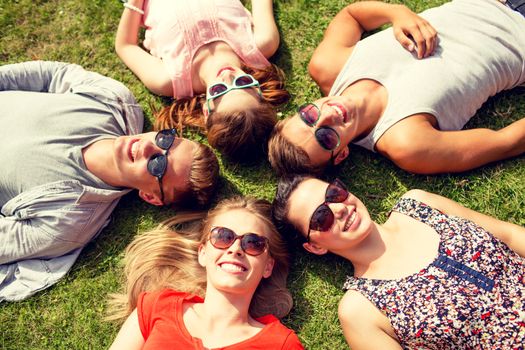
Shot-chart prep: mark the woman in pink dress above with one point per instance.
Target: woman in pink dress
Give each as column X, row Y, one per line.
column 211, row 56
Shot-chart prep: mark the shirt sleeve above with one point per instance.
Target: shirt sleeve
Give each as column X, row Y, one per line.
column 292, row 342
column 145, row 305
column 61, row 78
column 45, row 76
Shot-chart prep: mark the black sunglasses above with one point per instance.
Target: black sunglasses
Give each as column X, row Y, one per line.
column 158, row 163
column 251, row 243
column 323, row 217
column 326, row 136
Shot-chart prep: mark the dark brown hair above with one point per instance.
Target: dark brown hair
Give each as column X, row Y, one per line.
column 239, row 135
column 287, row 158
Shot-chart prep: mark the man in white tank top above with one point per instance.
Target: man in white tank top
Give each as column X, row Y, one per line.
column 407, row 91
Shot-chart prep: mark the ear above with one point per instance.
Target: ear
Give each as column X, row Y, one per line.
column 341, row 155
column 269, row 267
column 314, row 248
column 150, row 198
column 202, row 255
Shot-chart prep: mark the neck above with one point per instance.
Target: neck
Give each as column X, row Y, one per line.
column 224, row 310
column 99, row 160
column 364, row 255
column 372, row 99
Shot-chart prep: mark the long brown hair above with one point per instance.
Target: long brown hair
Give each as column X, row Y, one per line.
column 167, row 257
column 239, row 135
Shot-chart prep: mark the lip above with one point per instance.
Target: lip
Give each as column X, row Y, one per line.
column 224, row 69
column 340, row 107
column 130, row 148
column 236, row 263
column 355, row 223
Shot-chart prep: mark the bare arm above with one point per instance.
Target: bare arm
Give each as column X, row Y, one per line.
column 150, row 70
column 129, row 337
column 510, row 234
column 264, row 27
column 415, row 145
column 346, row 29
column 363, row 325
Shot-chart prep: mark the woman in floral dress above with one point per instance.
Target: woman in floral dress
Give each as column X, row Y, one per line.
column 435, row 275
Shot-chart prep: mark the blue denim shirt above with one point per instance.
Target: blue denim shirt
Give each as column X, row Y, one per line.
column 43, row 229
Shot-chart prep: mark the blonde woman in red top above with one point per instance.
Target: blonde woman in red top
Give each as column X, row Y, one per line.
column 214, row 284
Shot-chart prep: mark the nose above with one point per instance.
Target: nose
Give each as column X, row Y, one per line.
column 150, row 148
column 328, row 116
column 235, row 248
column 340, row 210
column 228, row 76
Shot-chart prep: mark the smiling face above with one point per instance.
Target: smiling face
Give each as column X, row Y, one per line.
column 337, row 112
column 131, row 155
column 351, row 225
column 234, row 100
column 231, row 270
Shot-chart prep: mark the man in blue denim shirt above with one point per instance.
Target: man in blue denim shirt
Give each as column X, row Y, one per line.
column 70, row 148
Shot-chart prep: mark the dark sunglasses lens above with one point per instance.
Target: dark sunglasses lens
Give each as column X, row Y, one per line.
column 336, row 192
column 222, row 237
column 244, row 80
column 309, row 113
column 157, row 165
column 253, row 244
column 322, row 218
column 327, row 138
column 217, row 89
column 164, row 138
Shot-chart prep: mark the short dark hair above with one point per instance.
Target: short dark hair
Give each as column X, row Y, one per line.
column 286, row 158
column 280, row 207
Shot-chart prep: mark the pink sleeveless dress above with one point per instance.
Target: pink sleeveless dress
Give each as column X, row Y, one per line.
column 176, row 29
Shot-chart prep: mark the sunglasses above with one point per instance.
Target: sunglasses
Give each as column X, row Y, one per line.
column 326, row 136
column 158, row 163
column 323, row 217
column 239, row 82
column 251, row 243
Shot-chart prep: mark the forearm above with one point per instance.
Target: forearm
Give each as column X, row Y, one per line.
column 372, row 14
column 129, row 25
column 29, row 76
column 264, row 27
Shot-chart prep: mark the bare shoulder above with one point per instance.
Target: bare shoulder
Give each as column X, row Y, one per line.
column 355, row 310
column 363, row 325
column 419, row 195
column 434, row 200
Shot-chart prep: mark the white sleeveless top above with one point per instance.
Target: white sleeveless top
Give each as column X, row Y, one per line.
column 481, row 52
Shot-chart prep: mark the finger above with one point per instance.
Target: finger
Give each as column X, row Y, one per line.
column 429, row 42
column 420, row 42
column 404, row 41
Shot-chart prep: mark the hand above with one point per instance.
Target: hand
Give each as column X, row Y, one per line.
column 414, row 32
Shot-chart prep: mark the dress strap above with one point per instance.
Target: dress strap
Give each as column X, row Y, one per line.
column 421, row 212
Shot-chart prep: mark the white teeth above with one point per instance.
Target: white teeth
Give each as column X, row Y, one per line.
column 350, row 221
column 231, row 267
column 338, row 110
column 134, row 148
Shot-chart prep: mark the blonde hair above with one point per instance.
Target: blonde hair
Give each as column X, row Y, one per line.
column 238, row 135
column 287, row 158
column 168, row 258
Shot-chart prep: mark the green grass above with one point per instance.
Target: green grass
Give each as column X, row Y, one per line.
column 69, row 315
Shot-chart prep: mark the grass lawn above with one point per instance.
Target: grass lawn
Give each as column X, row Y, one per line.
column 69, row 315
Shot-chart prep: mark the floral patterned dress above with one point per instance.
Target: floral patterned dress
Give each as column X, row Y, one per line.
column 472, row 296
